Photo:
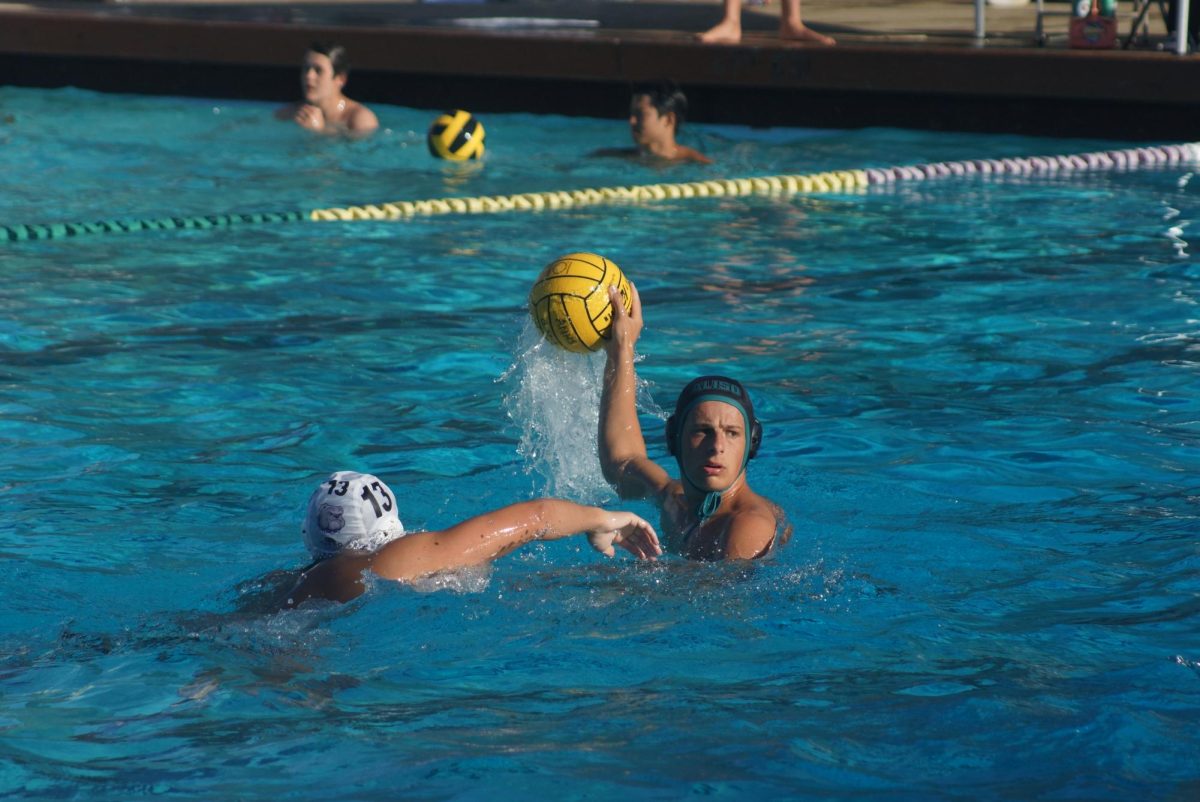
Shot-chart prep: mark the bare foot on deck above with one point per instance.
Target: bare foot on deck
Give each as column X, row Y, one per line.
column 802, row 33
column 725, row 32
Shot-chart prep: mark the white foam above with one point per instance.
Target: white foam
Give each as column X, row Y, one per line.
column 553, row 396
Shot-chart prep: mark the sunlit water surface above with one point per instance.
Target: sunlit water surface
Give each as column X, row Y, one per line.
column 981, row 412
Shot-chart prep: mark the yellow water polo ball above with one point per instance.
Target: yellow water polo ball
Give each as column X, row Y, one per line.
column 456, row 136
column 569, row 301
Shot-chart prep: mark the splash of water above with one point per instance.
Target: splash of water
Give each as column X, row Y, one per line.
column 472, row 579
column 553, row 396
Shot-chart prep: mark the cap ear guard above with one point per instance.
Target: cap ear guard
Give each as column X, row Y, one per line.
column 755, row 438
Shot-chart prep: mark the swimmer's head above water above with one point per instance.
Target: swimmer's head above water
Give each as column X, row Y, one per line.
column 324, row 107
column 713, row 388
column 350, row 510
column 324, row 71
column 657, row 111
column 713, row 434
column 656, row 114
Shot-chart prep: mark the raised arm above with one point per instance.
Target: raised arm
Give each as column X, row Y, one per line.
column 622, row 447
column 477, row 541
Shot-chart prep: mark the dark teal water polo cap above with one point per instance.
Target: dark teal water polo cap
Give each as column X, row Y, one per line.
column 713, row 388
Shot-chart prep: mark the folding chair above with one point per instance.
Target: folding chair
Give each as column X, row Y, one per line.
column 1140, row 9
column 1168, row 12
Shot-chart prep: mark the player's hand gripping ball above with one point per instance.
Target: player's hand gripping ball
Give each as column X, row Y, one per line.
column 570, row 304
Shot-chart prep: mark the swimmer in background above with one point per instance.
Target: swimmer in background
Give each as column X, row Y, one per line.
column 325, row 109
column 351, row 527
column 710, row 512
column 656, row 113
column 791, row 27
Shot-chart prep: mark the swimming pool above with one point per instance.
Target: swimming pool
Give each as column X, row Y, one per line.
column 981, row 415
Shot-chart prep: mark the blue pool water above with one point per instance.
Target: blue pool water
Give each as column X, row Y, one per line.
column 981, row 411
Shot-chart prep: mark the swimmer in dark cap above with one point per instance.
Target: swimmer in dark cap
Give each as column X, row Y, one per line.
column 324, row 108
column 656, row 113
column 710, row 512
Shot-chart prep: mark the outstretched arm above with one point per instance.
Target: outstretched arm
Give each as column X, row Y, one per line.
column 622, row 447
column 493, row 534
column 477, row 541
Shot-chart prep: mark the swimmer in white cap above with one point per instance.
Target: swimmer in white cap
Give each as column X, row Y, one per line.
column 352, row 526
column 710, row 512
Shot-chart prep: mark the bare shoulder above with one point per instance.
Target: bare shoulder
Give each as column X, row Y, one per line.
column 753, row 529
column 287, row 112
column 338, row 579
column 692, row 155
column 361, row 120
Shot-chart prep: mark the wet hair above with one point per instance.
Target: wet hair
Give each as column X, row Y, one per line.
column 665, row 96
column 335, row 52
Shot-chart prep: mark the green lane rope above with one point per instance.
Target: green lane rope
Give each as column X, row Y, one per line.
column 59, row 230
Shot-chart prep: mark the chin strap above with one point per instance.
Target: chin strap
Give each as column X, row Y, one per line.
column 712, row 499
column 709, row 506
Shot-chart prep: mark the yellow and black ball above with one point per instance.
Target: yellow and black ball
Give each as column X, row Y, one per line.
column 456, row 136
column 570, row 303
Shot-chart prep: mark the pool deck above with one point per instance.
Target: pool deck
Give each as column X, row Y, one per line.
column 905, row 63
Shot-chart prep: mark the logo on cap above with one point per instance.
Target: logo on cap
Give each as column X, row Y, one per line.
column 331, row 518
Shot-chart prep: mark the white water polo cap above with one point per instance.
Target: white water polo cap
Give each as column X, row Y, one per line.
column 350, row 510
